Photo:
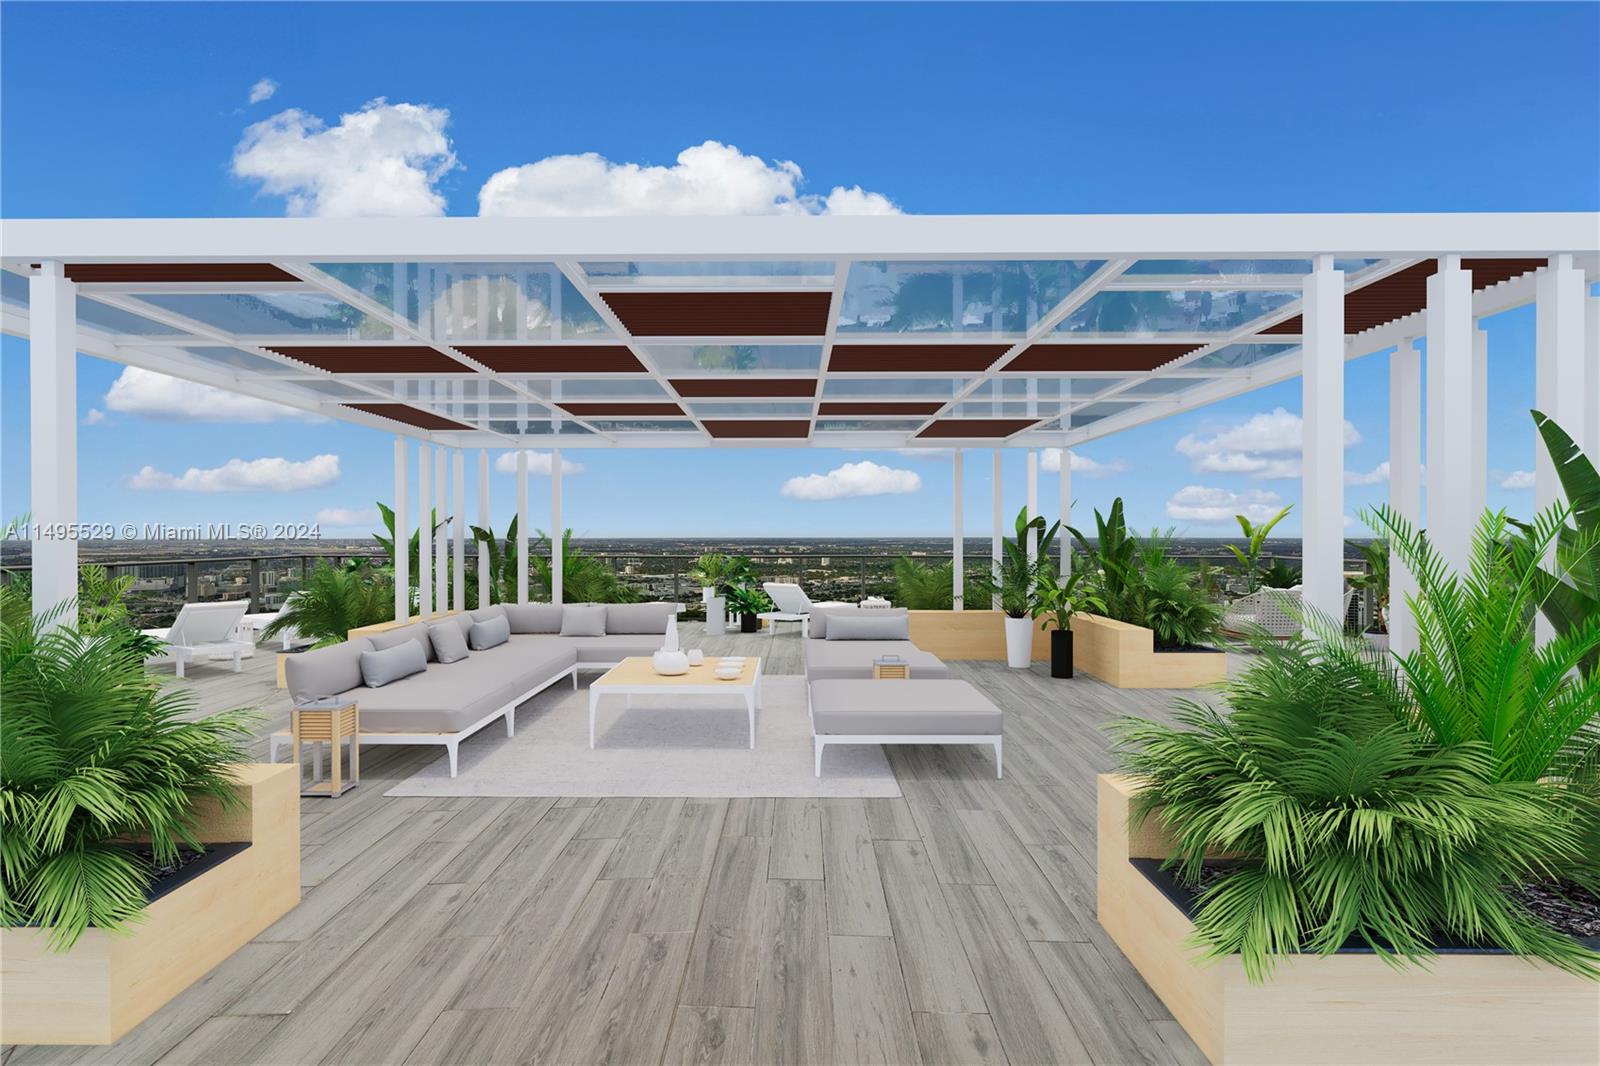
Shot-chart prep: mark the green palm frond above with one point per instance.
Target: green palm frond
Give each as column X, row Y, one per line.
column 332, row 601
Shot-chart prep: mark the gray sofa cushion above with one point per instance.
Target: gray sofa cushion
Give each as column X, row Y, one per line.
column 583, row 620
column 639, row 617
column 379, row 668
column 902, row 708
column 817, row 626
column 483, row 614
column 449, row 646
column 417, row 631
column 614, row 647
column 447, row 701
column 534, row 617
column 490, row 633
column 853, row 659
column 870, row 625
column 324, row 671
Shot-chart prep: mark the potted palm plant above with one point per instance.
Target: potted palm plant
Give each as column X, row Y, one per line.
column 711, row 570
column 1015, row 583
column 746, row 603
column 1057, row 598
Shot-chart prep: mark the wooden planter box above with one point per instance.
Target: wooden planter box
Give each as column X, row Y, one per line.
column 1124, row 655
column 1467, row 1007
column 955, row 635
column 105, row 985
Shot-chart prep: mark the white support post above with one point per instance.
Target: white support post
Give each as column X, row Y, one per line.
column 441, row 540
column 1560, row 389
column 958, row 562
column 557, row 530
column 1064, row 504
column 1591, row 418
column 53, row 437
column 1451, row 378
column 995, row 527
column 1322, row 469
column 522, row 525
column 459, row 478
column 483, row 523
column 402, row 533
column 1478, row 465
column 1033, row 501
column 1405, row 484
column 424, row 529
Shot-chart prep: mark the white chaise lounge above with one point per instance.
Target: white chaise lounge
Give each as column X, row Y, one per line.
column 793, row 605
column 203, row 632
column 251, row 626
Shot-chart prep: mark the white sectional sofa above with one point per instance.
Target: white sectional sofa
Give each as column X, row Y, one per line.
column 448, row 702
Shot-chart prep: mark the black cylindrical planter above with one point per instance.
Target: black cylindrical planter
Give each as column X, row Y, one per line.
column 1061, row 653
column 749, row 623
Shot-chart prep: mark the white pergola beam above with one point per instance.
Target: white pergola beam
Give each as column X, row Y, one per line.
column 425, row 529
column 557, row 531
column 441, row 502
column 1405, row 484
column 486, row 523
column 1452, row 379
column 402, row 532
column 53, row 438
column 1322, row 464
column 458, row 480
column 1561, row 388
column 522, row 525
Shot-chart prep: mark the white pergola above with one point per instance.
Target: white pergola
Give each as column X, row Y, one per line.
column 955, row 332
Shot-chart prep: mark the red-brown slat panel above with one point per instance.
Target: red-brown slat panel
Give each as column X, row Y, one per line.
column 879, row 407
column 1405, row 293
column 757, row 429
column 622, row 410
column 933, row 358
column 746, row 387
column 213, row 273
column 977, row 427
column 554, row 358
column 721, row 314
column 1044, row 358
column 411, row 416
column 385, row 359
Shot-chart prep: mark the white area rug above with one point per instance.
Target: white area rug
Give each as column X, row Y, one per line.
column 662, row 746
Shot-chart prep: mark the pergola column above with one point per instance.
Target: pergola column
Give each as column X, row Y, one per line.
column 483, row 523
column 1451, row 412
column 424, row 530
column 53, row 435
column 995, row 519
column 441, row 562
column 557, row 530
column 1033, row 501
column 1478, row 460
column 402, row 533
column 1561, row 387
column 1322, row 468
column 522, row 525
column 1064, row 507
column 1405, row 483
column 1591, row 420
column 459, row 597
column 958, row 562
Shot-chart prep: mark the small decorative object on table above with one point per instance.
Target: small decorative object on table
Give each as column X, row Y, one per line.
column 875, row 603
column 333, row 721
column 696, row 657
column 669, row 660
column 891, row 668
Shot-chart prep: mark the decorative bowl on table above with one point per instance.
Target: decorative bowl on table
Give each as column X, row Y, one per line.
column 669, row 663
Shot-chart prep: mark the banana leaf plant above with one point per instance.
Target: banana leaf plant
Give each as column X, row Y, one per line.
column 502, row 561
column 1571, row 593
column 1255, row 535
column 1114, row 553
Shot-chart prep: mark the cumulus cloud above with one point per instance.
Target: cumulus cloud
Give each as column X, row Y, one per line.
column 347, row 517
column 1265, row 446
column 144, row 392
column 245, row 475
column 1050, row 461
column 94, row 416
column 1197, row 503
column 1376, row 476
column 539, row 463
column 263, row 90
column 708, row 179
column 385, row 159
column 865, row 478
column 1518, row 479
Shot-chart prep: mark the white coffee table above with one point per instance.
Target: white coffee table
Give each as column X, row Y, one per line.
column 635, row 676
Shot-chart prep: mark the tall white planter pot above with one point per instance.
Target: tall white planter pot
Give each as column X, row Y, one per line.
column 1019, row 642
column 716, row 615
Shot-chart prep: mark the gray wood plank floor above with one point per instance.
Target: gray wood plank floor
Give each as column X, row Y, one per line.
column 955, row 925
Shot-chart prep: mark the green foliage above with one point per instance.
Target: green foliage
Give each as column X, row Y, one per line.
column 1376, row 580
column 585, row 578
column 1114, row 553
column 923, row 586
column 94, row 751
column 1571, row 595
column 102, row 605
column 747, row 600
column 1166, row 597
column 1015, row 580
column 711, row 570
column 332, row 601
column 1345, row 815
column 1249, row 557
column 1057, row 599
column 1278, row 575
column 502, row 562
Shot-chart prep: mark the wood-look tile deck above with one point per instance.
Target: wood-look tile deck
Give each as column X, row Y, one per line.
column 955, row 925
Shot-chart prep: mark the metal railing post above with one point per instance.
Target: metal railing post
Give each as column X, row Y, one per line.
column 191, row 582
column 255, row 585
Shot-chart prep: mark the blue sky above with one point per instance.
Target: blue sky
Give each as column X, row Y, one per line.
column 138, row 110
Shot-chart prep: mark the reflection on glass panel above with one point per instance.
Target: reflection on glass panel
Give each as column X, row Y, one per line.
column 1178, row 311
column 689, row 274
column 337, row 390
column 110, row 319
column 1022, row 388
column 13, row 288
column 851, row 388
column 602, row 389
column 1007, row 409
column 234, row 359
column 1238, row 269
column 736, row 358
column 1238, row 355
column 273, row 314
column 1160, row 387
column 862, row 425
column 642, row 425
column 750, row 410
column 463, row 302
column 1096, row 411
column 995, row 298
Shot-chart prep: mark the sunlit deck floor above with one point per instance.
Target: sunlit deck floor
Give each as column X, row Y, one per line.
column 953, row 925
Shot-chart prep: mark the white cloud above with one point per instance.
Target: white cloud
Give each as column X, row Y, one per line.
column 865, row 478
column 245, row 475
column 144, row 392
column 708, row 179
column 347, row 517
column 262, row 90
column 385, row 159
column 1376, row 476
column 1197, row 503
column 1266, row 447
column 1517, row 479
column 1050, row 462
column 94, row 416
column 540, row 464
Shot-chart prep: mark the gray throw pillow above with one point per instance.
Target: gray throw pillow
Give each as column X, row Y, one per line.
column 639, row 617
column 325, row 671
column 489, row 634
column 583, row 620
column 870, row 625
column 483, row 614
column 417, row 631
column 817, row 627
column 379, row 668
column 534, row 617
column 449, row 646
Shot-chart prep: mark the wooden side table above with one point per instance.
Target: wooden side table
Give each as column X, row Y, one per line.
column 332, row 725
column 882, row 671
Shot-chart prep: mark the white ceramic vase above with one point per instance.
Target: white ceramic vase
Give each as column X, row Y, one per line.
column 1019, row 642
column 669, row 660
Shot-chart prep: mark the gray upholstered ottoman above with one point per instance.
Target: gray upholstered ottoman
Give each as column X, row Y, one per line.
column 925, row 711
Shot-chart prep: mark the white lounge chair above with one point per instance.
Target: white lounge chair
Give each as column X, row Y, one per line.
column 793, row 605
column 1275, row 610
column 203, row 632
column 251, row 625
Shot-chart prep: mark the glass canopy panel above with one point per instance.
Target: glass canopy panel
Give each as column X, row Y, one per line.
column 330, row 389
column 1096, row 411
column 1042, row 388
column 750, row 410
column 235, row 360
column 602, row 389
column 1159, row 387
column 110, row 319
column 1007, row 409
column 13, row 288
column 736, row 358
column 272, row 314
column 999, row 299
column 1235, row 356
column 862, row 425
column 1237, row 269
column 691, row 274
column 891, row 388
column 1172, row 311
column 642, row 425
